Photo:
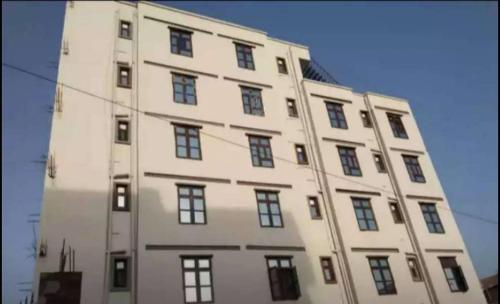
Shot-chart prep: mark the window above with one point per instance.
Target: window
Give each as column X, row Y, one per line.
column 119, row 273
column 379, row 163
column 184, row 89
column 125, row 30
column 431, row 218
column 414, row 170
column 364, row 214
column 398, row 129
column 180, row 42
column 336, row 115
column 269, row 209
column 396, row 212
column 300, row 150
column 191, row 204
column 282, row 65
column 121, row 198
column 349, row 161
column 292, row 108
column 260, row 150
column 453, row 274
column 365, row 117
column 124, row 76
column 283, row 279
column 327, row 267
column 252, row 101
column 187, row 142
column 382, row 275
column 122, row 132
column 244, row 56
column 197, row 279
column 414, row 269
column 314, row 207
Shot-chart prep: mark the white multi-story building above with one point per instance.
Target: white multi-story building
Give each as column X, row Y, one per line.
column 194, row 160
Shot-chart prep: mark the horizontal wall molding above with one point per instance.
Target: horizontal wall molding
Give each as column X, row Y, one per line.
column 439, row 250
column 185, row 119
column 118, row 252
column 345, row 142
column 330, row 99
column 421, row 197
column 180, row 70
column 250, row 83
column 275, row 248
column 121, row 176
column 242, row 41
column 255, row 129
column 392, row 110
column 187, row 177
column 353, row 191
column 192, row 247
column 179, row 26
column 260, row 184
column 373, row 249
column 407, row 151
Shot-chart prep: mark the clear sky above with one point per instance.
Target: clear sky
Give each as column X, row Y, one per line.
column 442, row 56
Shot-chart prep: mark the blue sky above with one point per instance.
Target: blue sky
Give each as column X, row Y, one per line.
column 442, row 56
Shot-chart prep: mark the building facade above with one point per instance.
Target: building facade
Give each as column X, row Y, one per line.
column 194, row 160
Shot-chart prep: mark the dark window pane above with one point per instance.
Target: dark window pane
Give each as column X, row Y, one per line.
column 382, row 275
column 244, row 56
column 364, row 214
column 413, row 167
column 397, row 126
column 431, row 218
column 349, row 161
column 336, row 115
column 187, row 141
column 260, row 150
column 180, row 42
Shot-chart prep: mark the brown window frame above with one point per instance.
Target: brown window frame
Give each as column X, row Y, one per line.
column 457, row 274
column 281, row 272
column 397, row 126
column 415, row 271
column 396, row 213
column 197, row 270
column 252, row 101
column 118, row 138
column 336, row 115
column 126, row 195
column 369, row 223
column 380, row 163
column 181, row 36
column 183, row 80
column 301, row 156
column 269, row 214
column 247, row 61
column 387, row 289
column 261, row 146
column 125, row 33
column 349, row 161
column 113, row 273
column 329, row 268
column 431, row 218
column 314, row 208
column 291, row 106
column 414, row 169
column 124, row 67
column 366, row 119
column 188, row 144
column 191, row 197
column 282, row 68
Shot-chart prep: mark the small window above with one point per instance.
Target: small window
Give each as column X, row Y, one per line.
column 431, row 218
column 365, row 118
column 364, row 214
column 414, row 169
column 120, row 273
column 184, row 89
column 379, row 163
column 125, row 30
column 180, row 42
column 382, row 275
column 191, row 204
column 122, row 132
column 336, row 115
column 281, row 65
column 283, row 279
column 328, row 273
column 292, row 108
column 124, row 76
column 252, row 101
column 397, row 126
column 314, row 207
column 349, row 161
column 453, row 274
column 244, row 56
column 269, row 209
column 300, row 150
column 197, row 279
column 187, row 142
column 414, row 267
column 121, row 198
column 396, row 212
column 260, row 151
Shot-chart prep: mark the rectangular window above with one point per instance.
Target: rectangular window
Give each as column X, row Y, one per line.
column 300, row 150
column 364, row 214
column 382, row 275
column 180, row 42
column 379, row 163
column 414, row 269
column 336, row 115
column 269, row 209
column 191, row 204
column 398, row 129
column 396, row 212
column 184, row 89
column 124, row 76
column 292, row 108
column 431, row 218
column 252, row 101
column 453, row 274
column 349, row 161
column 197, row 279
column 260, row 151
column 314, row 207
column 244, row 56
column 121, row 198
column 365, row 117
column 125, row 30
column 327, row 267
column 281, row 65
column 414, row 170
column 122, row 131
column 283, row 279
column 119, row 273
column 187, row 142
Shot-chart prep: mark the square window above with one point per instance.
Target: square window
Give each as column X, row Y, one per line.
column 364, row 214
column 260, row 151
column 397, row 126
column 244, row 56
column 431, row 217
column 414, row 169
column 180, row 42
column 336, row 115
column 349, row 161
column 187, row 142
column 184, row 89
column 252, row 101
